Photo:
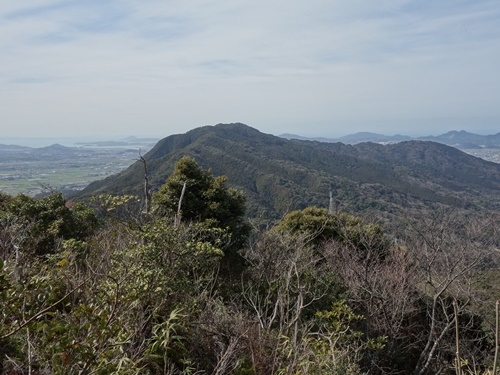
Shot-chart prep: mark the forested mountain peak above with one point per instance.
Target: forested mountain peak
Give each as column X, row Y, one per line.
column 278, row 175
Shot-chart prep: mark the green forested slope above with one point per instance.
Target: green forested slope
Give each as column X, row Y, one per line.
column 279, row 175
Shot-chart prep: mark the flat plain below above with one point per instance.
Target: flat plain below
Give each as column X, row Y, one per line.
column 35, row 171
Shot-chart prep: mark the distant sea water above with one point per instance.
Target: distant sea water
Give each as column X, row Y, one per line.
column 44, row 142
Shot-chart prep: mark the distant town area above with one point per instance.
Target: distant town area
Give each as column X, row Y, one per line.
column 486, row 154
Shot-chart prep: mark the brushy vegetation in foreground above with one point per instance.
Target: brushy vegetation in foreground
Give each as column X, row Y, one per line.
column 186, row 288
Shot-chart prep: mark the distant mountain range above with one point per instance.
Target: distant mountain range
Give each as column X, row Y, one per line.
column 278, row 175
column 458, row 139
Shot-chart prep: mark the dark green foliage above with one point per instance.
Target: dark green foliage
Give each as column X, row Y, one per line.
column 206, row 199
column 319, row 227
column 49, row 219
column 5, row 200
column 120, row 308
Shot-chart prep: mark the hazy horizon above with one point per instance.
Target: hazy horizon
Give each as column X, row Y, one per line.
column 74, row 141
column 315, row 68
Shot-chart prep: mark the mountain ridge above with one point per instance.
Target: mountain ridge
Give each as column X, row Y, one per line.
column 278, row 175
column 458, row 139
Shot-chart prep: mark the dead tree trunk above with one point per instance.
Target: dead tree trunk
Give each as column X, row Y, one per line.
column 147, row 190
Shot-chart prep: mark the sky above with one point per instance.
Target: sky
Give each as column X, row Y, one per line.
column 111, row 68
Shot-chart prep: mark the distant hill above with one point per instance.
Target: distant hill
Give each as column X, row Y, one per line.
column 55, row 150
column 278, row 175
column 459, row 139
column 465, row 140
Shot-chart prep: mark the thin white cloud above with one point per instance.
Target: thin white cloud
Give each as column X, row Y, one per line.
column 91, row 66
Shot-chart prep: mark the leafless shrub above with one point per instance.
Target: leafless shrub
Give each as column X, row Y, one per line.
column 450, row 252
